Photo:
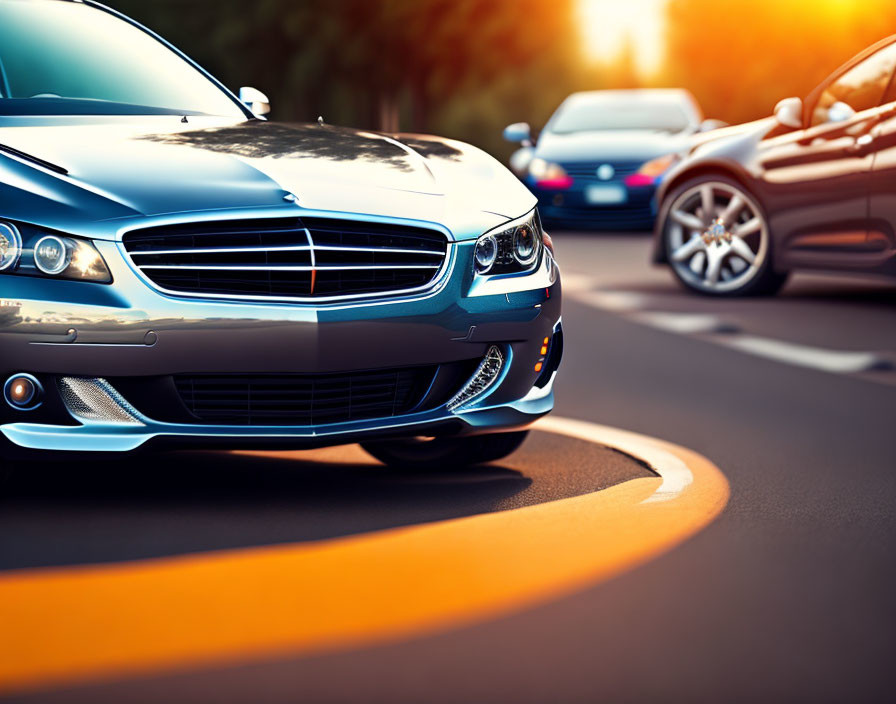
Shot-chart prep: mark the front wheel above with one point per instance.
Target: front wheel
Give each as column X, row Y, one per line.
column 426, row 453
column 717, row 239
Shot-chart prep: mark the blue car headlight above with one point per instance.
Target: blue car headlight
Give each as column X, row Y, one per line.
column 50, row 255
column 513, row 248
column 10, row 246
column 652, row 172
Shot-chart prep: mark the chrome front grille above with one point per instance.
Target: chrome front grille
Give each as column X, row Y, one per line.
column 288, row 258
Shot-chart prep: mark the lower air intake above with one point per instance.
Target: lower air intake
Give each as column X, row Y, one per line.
column 303, row 399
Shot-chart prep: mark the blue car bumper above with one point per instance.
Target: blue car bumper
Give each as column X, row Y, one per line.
column 570, row 209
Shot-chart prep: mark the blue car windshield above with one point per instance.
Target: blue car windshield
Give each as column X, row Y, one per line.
column 597, row 113
column 68, row 58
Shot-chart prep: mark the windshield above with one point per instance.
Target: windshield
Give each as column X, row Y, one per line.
column 584, row 113
column 67, row 58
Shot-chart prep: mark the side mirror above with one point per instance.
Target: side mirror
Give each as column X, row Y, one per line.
column 519, row 132
column 789, row 112
column 709, row 125
column 255, row 100
column 520, row 160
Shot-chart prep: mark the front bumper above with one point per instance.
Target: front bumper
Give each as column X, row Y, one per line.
column 570, row 209
column 128, row 330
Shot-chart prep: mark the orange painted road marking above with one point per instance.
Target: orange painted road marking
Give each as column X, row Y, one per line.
column 64, row 625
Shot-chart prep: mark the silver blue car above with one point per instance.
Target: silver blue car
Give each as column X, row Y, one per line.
column 177, row 271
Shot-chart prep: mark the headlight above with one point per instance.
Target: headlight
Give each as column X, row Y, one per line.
column 10, row 246
column 486, row 253
column 652, row 171
column 58, row 256
column 549, row 175
column 52, row 254
column 510, row 249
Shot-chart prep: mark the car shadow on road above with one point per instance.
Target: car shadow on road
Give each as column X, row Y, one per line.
column 69, row 513
column 129, row 508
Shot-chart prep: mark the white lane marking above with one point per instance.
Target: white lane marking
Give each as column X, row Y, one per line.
column 614, row 301
column 717, row 330
column 576, row 282
column 685, row 323
column 836, row 361
column 672, row 470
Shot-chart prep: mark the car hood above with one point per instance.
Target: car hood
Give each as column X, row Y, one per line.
column 119, row 169
column 609, row 145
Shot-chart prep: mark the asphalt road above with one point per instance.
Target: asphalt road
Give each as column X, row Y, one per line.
column 787, row 596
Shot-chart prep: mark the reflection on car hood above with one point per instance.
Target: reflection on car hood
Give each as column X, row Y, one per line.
column 609, row 145
column 120, row 168
column 756, row 128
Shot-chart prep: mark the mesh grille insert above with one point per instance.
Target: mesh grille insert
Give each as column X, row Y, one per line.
column 303, row 399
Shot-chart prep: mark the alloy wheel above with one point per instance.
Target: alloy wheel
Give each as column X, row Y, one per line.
column 717, row 238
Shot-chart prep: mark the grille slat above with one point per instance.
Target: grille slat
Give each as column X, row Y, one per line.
column 288, row 258
column 587, row 171
column 303, row 399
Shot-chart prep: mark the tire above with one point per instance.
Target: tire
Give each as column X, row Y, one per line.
column 445, row 453
column 724, row 249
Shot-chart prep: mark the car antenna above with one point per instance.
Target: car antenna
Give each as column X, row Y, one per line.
column 184, row 119
column 320, row 120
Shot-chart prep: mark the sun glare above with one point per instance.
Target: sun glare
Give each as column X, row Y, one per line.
column 607, row 25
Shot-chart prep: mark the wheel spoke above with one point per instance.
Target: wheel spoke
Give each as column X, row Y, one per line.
column 742, row 249
column 688, row 220
column 707, row 202
column 685, row 251
column 735, row 205
column 748, row 228
column 698, row 261
column 714, row 255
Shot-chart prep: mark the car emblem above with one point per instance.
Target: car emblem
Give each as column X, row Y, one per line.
column 605, row 172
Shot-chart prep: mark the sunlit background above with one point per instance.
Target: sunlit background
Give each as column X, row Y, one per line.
column 466, row 68
column 623, row 31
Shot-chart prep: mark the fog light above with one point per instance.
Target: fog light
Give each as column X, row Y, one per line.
column 485, row 376
column 23, row 392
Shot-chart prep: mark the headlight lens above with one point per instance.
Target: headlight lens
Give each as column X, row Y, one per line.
column 525, row 244
column 10, row 246
column 511, row 249
column 549, row 175
column 58, row 256
column 486, row 253
column 52, row 254
column 651, row 171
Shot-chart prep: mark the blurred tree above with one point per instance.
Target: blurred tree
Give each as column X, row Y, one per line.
column 461, row 67
column 739, row 57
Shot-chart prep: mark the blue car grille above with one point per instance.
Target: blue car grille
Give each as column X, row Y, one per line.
column 586, row 171
column 303, row 399
column 288, row 258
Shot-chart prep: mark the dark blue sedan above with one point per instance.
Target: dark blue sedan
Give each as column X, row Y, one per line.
column 598, row 160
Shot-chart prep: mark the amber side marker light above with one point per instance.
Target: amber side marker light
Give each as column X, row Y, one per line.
column 544, row 350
